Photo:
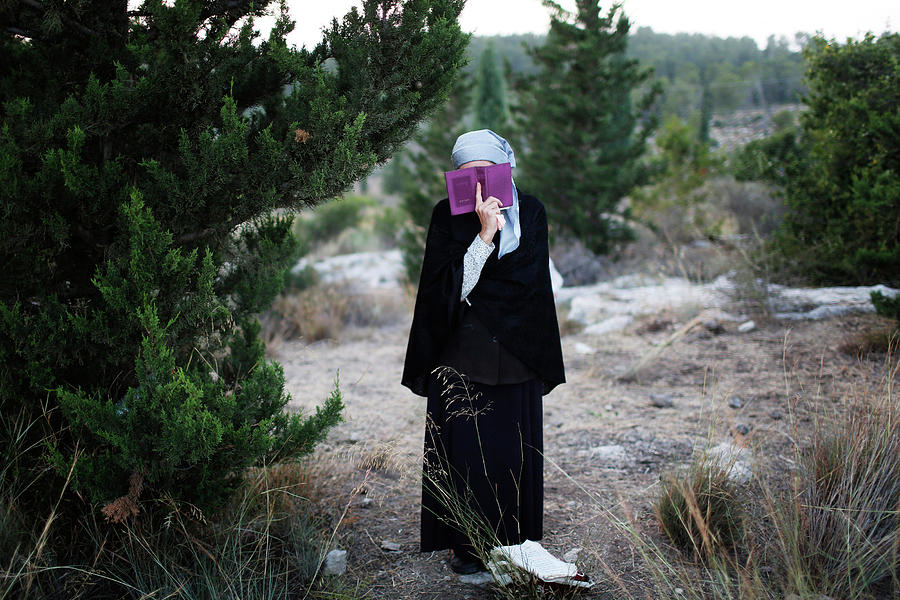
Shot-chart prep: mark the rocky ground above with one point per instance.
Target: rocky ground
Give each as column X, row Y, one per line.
column 607, row 441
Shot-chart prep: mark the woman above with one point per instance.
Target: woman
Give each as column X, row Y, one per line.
column 483, row 348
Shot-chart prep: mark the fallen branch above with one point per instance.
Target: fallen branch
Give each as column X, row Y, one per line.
column 632, row 373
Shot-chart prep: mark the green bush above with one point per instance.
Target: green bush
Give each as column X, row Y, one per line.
column 843, row 189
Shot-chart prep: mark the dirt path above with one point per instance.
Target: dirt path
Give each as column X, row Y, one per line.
column 606, row 443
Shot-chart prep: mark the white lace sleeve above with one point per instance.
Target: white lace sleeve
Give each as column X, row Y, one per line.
column 473, row 261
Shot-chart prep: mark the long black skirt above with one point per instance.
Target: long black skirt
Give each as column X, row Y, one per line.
column 483, row 476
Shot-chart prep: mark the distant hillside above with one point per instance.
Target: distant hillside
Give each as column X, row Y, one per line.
column 736, row 72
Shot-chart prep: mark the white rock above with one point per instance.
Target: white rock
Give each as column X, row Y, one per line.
column 820, row 303
column 733, row 459
column 747, row 326
column 582, row 348
column 610, row 453
column 572, row 555
column 609, row 325
column 389, row 546
column 481, row 578
column 364, row 270
column 335, row 562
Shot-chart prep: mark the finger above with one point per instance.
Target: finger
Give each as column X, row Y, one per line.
column 478, row 199
column 493, row 203
column 500, row 221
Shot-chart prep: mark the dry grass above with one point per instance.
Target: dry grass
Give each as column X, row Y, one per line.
column 324, row 311
column 876, row 337
column 703, row 509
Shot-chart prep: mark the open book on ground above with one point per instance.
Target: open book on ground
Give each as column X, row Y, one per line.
column 508, row 563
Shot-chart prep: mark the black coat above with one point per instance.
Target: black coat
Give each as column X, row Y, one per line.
column 513, row 296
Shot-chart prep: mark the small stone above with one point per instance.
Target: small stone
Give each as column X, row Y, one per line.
column 662, row 400
column 582, row 348
column 747, row 326
column 734, row 460
column 389, row 546
column 735, row 402
column 335, row 562
column 366, row 502
column 742, row 429
column 608, row 407
column 679, row 591
column 612, row 452
column 572, row 555
column 713, row 326
column 776, row 415
column 480, row 578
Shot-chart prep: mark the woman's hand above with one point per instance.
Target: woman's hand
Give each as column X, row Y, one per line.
column 488, row 212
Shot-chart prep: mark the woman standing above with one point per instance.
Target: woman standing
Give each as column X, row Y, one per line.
column 483, row 348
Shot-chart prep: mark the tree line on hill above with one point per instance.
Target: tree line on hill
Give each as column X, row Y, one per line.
column 734, row 72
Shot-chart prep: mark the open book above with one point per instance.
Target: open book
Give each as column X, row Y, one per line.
column 529, row 558
column 496, row 181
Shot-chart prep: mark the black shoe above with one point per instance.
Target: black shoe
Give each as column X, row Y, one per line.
column 462, row 566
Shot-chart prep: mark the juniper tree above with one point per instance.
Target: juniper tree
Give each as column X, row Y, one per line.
column 585, row 117
column 150, row 155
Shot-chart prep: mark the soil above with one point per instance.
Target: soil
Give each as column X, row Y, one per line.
column 606, row 444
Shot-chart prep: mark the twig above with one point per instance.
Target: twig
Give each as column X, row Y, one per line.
column 632, row 373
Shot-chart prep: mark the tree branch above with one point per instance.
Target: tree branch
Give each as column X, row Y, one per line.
column 17, row 31
column 35, row 4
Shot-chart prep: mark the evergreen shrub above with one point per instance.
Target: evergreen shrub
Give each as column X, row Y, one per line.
column 149, row 157
column 842, row 189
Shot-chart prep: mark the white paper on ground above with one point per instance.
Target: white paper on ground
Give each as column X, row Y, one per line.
column 533, row 558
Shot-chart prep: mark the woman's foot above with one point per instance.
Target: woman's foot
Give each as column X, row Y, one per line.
column 463, row 563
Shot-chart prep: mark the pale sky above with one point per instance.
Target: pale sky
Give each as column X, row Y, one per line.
column 757, row 19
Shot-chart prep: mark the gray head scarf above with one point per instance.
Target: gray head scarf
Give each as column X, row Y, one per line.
column 484, row 144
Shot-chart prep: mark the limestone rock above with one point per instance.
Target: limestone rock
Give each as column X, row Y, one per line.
column 335, row 562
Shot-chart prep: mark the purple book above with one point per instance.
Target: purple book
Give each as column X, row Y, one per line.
column 496, row 180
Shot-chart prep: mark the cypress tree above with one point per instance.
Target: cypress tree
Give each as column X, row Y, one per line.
column 149, row 158
column 491, row 111
column 421, row 170
column 585, row 120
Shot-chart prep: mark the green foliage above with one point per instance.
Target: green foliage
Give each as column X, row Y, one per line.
column 735, row 71
column 421, row 170
column 843, row 191
column 490, row 93
column 148, row 155
column 887, row 306
column 674, row 206
column 329, row 220
column 738, row 73
column 773, row 159
column 582, row 124
column 512, row 50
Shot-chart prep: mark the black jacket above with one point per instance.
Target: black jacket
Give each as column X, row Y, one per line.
column 513, row 297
